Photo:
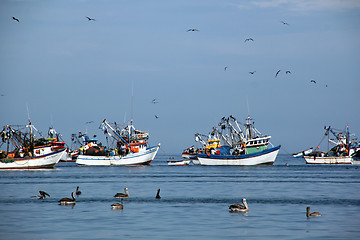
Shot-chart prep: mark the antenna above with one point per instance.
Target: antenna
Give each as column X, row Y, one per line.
column 247, row 103
column 28, row 112
column 132, row 101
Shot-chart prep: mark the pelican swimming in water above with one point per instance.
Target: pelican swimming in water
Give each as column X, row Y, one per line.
column 158, row 194
column 122, row 195
column 118, row 205
column 68, row 201
column 239, row 207
column 313, row 214
column 42, row 195
column 77, row 192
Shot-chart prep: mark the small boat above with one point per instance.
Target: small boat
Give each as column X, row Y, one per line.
column 245, row 146
column 57, row 142
column 303, row 153
column 179, row 162
column 341, row 153
column 131, row 148
column 29, row 152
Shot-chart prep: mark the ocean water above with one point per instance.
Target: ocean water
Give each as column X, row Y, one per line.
column 194, row 203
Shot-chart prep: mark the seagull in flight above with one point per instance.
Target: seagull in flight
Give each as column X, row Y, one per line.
column 90, row 19
column 154, row 101
column 156, row 116
column 287, row 72
column 15, row 19
column 252, row 72
column 192, row 30
column 285, row 23
column 313, row 81
column 249, row 39
column 277, row 73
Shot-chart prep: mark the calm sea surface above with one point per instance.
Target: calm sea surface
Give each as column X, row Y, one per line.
column 194, row 203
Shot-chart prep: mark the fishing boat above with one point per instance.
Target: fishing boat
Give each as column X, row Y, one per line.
column 28, row 151
column 182, row 162
column 57, row 142
column 303, row 153
column 342, row 151
column 242, row 145
column 130, row 147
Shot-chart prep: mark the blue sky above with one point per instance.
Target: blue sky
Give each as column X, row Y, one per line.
column 69, row 70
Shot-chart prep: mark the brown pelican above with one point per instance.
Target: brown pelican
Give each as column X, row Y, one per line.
column 68, row 201
column 122, row 195
column 252, row 72
column 313, row 81
column 15, row 19
column 249, row 39
column 192, row 30
column 158, row 194
column 239, row 207
column 118, row 205
column 42, row 195
column 313, row 214
column 77, row 192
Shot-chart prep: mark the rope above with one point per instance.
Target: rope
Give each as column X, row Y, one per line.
column 166, row 153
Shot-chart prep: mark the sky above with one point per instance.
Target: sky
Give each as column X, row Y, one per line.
column 64, row 71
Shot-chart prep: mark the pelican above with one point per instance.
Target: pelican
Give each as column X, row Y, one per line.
column 42, row 195
column 252, row 72
column 239, row 207
column 77, row 192
column 15, row 19
column 154, row 101
column 285, row 23
column 68, row 201
column 249, row 39
column 118, row 205
column 158, row 194
column 313, row 81
column 122, row 195
column 313, row 214
column 287, row 72
column 192, row 30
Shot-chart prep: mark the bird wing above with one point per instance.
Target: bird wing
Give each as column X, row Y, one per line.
column 42, row 193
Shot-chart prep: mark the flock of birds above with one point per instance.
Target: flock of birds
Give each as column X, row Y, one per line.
column 237, row 207
column 196, row 30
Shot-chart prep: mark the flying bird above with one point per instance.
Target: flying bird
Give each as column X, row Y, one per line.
column 287, row 72
column 156, row 116
column 90, row 19
column 225, row 68
column 15, row 19
column 285, row 23
column 42, row 195
column 252, row 72
column 89, row 122
column 313, row 81
column 192, row 30
column 249, row 39
column 277, row 73
column 154, row 101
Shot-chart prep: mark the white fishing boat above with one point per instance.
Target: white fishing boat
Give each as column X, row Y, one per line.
column 183, row 162
column 131, row 148
column 303, row 153
column 342, row 151
column 245, row 146
column 29, row 152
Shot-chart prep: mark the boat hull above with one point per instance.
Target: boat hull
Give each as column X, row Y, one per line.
column 140, row 158
column 328, row 160
column 265, row 157
column 45, row 161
